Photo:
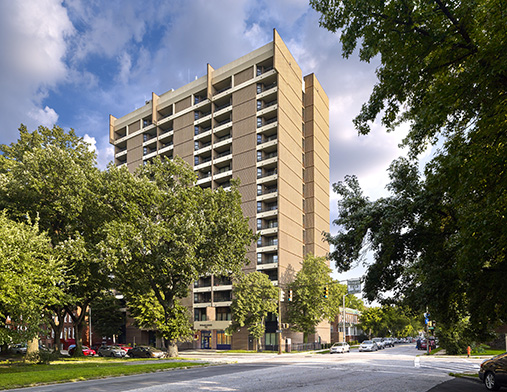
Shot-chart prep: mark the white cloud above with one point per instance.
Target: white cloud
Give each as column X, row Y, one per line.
column 91, row 141
column 33, row 36
column 47, row 116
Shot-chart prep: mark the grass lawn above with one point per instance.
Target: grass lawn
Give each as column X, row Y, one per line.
column 19, row 374
column 488, row 352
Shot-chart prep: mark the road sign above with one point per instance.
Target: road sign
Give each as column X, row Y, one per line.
column 354, row 286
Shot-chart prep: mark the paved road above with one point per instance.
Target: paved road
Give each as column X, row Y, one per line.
column 397, row 369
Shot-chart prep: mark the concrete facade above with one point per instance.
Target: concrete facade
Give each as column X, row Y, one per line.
column 257, row 119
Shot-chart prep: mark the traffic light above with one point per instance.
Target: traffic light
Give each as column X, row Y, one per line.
column 290, row 295
column 282, row 295
column 326, row 292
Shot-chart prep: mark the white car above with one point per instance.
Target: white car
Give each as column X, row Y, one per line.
column 340, row 347
column 368, row 345
column 381, row 345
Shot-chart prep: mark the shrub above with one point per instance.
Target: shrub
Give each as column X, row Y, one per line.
column 42, row 356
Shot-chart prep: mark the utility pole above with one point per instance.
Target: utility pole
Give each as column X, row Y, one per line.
column 343, row 316
column 280, row 300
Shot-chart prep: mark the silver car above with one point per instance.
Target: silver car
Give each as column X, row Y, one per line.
column 111, row 351
column 368, row 345
column 340, row 347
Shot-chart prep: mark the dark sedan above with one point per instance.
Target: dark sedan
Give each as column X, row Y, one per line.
column 494, row 372
column 145, row 352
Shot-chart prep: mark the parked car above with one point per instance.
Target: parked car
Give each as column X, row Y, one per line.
column 146, row 352
column 368, row 345
column 388, row 342
column 87, row 351
column 124, row 347
column 424, row 344
column 493, row 372
column 111, row 351
column 339, row 347
column 380, row 344
column 19, row 348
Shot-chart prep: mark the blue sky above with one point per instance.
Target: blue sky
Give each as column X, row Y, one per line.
column 75, row 62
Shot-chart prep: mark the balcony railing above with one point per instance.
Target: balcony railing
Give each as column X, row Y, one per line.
column 268, row 173
column 202, row 300
column 222, row 90
column 220, row 139
column 268, row 156
column 223, row 154
column 217, row 108
column 227, row 120
column 223, row 170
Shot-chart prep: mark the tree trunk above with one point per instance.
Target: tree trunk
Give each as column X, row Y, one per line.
column 57, row 328
column 33, row 346
column 78, row 323
column 305, row 337
column 259, row 345
column 78, row 332
column 172, row 349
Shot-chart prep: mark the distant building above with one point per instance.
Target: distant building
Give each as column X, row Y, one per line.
column 352, row 330
column 257, row 119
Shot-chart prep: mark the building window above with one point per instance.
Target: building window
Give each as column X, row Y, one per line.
column 196, row 115
column 259, row 156
column 271, row 339
column 259, row 206
column 224, row 339
column 259, row 88
column 196, row 146
column 259, row 241
column 259, row 122
column 259, row 105
column 259, row 224
column 196, row 161
column 259, row 190
column 259, row 258
column 196, row 130
column 275, row 258
column 259, row 172
column 259, row 139
column 145, row 150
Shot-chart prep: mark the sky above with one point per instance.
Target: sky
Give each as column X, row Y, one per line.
column 72, row 63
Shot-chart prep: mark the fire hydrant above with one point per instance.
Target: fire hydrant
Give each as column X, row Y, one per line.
column 468, row 351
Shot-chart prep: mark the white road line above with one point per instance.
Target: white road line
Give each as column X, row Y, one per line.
column 417, row 362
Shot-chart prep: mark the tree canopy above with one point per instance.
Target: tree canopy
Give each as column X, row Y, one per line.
column 440, row 239
column 309, row 305
column 29, row 276
column 165, row 234
column 254, row 297
column 50, row 174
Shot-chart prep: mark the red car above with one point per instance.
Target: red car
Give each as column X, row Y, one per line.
column 424, row 346
column 87, row 351
column 125, row 347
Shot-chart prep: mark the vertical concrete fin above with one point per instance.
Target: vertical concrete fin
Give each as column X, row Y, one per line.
column 210, row 78
column 112, row 120
column 154, row 108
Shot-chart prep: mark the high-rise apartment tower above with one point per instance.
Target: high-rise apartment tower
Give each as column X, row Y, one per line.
column 259, row 120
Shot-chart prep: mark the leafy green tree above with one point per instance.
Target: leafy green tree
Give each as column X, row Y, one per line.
column 29, row 274
column 51, row 174
column 107, row 317
column 371, row 321
column 439, row 240
column 166, row 233
column 309, row 306
column 254, row 297
column 389, row 320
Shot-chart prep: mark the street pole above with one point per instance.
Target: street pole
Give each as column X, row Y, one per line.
column 90, row 325
column 343, row 317
column 279, row 321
